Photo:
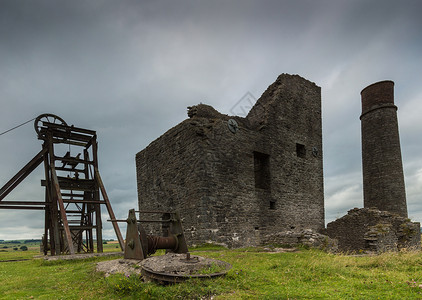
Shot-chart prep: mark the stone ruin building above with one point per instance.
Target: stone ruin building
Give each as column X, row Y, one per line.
column 382, row 225
column 259, row 179
column 365, row 230
column 236, row 180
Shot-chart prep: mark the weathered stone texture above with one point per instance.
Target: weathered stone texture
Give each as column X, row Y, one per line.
column 381, row 238
column 369, row 229
column 235, row 188
column 383, row 180
column 306, row 237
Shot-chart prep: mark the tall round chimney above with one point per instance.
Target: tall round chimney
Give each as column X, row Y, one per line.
column 383, row 180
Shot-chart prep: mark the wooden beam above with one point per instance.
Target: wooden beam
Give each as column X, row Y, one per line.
column 22, row 174
column 20, row 202
column 98, row 220
column 56, row 187
column 83, row 201
column 22, row 207
column 69, row 128
column 109, row 209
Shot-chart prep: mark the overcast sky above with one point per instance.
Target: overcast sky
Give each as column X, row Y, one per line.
column 129, row 69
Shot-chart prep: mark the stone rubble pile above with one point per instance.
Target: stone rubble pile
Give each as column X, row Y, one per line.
column 305, row 237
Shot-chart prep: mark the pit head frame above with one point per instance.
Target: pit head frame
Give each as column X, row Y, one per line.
column 74, row 190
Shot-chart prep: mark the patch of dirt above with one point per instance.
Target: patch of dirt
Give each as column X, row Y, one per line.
column 78, row 256
column 119, row 266
column 281, row 250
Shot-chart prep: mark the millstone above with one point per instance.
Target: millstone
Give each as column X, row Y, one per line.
column 173, row 268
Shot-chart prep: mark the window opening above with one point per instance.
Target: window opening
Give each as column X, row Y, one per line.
column 262, row 170
column 300, row 150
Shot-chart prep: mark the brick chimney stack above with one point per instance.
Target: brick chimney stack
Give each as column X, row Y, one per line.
column 383, row 180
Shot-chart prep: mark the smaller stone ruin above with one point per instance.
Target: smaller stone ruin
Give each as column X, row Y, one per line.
column 369, row 230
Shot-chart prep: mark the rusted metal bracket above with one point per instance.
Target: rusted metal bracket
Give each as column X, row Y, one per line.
column 133, row 247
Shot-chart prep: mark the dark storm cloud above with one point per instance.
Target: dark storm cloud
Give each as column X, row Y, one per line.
column 128, row 69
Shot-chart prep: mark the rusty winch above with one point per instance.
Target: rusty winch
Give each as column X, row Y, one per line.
column 177, row 265
column 139, row 245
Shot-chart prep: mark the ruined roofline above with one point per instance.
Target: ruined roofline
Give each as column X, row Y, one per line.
column 205, row 111
column 285, row 85
column 257, row 115
column 284, row 81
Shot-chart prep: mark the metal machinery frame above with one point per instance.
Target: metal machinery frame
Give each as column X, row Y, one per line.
column 73, row 188
column 139, row 245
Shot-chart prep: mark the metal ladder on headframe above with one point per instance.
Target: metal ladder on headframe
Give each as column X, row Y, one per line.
column 73, row 188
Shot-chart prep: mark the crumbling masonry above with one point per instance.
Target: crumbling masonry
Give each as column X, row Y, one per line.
column 235, row 180
column 371, row 230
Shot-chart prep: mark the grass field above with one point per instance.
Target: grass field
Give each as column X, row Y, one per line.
column 256, row 274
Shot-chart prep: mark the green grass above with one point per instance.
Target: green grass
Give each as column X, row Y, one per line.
column 256, row 274
column 10, row 254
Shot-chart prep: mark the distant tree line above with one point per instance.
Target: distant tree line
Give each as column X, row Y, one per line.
column 19, row 242
column 32, row 241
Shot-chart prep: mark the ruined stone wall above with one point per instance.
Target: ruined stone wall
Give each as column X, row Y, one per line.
column 170, row 172
column 292, row 131
column 234, row 188
column 369, row 229
column 195, row 168
column 304, row 237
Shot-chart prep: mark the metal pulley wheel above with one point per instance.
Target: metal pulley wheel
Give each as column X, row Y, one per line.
column 47, row 118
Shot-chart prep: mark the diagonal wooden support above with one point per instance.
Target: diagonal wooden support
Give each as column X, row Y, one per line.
column 58, row 194
column 62, row 211
column 22, row 174
column 109, row 209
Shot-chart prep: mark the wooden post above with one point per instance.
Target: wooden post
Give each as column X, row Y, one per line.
column 109, row 209
column 98, row 221
column 53, row 211
column 56, row 188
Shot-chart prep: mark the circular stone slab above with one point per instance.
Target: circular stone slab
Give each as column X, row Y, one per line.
column 173, row 268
